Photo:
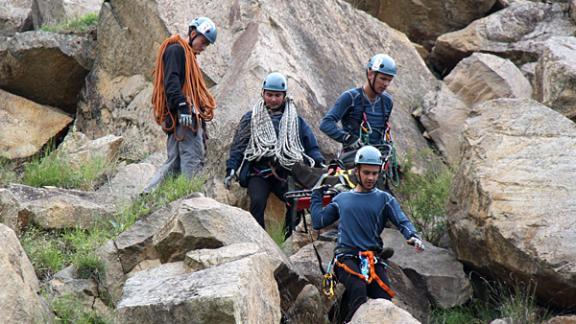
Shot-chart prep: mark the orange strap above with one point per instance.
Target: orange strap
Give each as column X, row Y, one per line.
column 373, row 275
column 194, row 87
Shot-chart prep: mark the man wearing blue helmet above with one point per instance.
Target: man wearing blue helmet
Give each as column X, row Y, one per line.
column 362, row 212
column 182, row 102
column 269, row 141
column 363, row 111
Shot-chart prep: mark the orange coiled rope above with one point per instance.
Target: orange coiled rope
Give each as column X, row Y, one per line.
column 373, row 275
column 194, row 88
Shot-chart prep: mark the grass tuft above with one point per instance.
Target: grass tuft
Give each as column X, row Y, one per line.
column 80, row 24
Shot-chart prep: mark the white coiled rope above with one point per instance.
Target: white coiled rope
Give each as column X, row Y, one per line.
column 286, row 147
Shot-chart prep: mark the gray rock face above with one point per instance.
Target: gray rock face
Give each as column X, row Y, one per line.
column 19, row 295
column 53, row 208
column 47, row 68
column 78, row 149
column 259, row 37
column 236, row 292
column 128, row 182
column 443, row 117
column 424, row 21
column 511, row 203
column 555, row 76
column 206, row 258
column 51, row 12
column 381, row 311
column 15, row 16
column 516, row 33
column 481, row 77
column 435, row 270
column 25, row 126
column 195, row 223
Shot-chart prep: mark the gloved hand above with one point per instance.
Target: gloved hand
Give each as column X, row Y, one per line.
column 228, row 179
column 320, row 163
column 186, row 119
column 352, row 142
column 322, row 189
column 417, row 242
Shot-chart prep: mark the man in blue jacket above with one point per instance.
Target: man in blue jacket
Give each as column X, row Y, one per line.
column 362, row 212
column 269, row 140
column 363, row 111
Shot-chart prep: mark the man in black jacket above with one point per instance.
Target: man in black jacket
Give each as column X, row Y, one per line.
column 268, row 142
column 182, row 102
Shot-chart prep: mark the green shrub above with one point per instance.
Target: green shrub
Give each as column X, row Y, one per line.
column 424, row 197
column 80, row 24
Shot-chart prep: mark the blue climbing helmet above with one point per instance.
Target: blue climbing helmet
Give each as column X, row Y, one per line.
column 368, row 155
column 382, row 63
column 275, row 82
column 205, row 27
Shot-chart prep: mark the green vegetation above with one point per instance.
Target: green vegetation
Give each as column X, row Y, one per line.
column 80, row 24
column 69, row 310
column 276, row 231
column 51, row 251
column 515, row 302
column 53, row 169
column 424, row 197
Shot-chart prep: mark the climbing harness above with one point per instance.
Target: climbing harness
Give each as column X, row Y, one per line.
column 368, row 273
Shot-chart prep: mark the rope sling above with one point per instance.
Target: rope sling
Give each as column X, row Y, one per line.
column 194, row 88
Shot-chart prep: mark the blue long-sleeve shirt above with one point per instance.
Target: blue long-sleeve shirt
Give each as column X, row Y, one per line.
column 362, row 218
column 348, row 110
column 242, row 137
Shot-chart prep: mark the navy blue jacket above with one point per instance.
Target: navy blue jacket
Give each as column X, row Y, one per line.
column 349, row 108
column 242, row 137
column 362, row 218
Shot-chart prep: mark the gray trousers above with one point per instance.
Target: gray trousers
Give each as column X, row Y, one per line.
column 185, row 156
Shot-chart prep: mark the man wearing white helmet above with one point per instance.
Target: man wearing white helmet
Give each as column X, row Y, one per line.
column 181, row 100
column 269, row 141
column 363, row 111
column 362, row 212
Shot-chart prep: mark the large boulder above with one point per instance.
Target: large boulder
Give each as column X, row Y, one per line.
column 242, row 291
column 78, row 149
column 435, row 270
column 15, row 16
column 25, row 126
column 424, row 21
column 443, row 115
column 381, row 311
column 481, row 77
column 53, row 208
column 477, row 78
column 511, row 204
column 47, row 68
column 52, row 12
column 128, row 182
column 516, row 33
column 555, row 76
column 195, row 223
column 254, row 38
column 19, row 296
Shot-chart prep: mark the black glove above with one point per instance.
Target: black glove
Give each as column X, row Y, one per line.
column 320, row 163
column 352, row 142
column 322, row 189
